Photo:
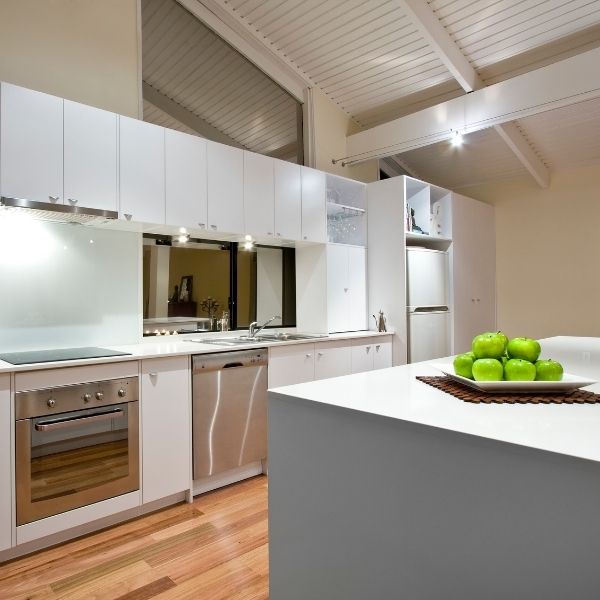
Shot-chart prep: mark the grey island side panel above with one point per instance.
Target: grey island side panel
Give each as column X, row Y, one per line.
column 363, row 506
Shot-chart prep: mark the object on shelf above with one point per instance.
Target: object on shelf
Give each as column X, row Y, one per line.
column 223, row 322
column 436, row 219
column 185, row 289
column 381, row 322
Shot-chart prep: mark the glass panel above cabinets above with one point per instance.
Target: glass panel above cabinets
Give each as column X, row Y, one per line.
column 346, row 211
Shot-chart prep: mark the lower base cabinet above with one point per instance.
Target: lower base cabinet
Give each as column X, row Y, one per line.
column 5, row 464
column 332, row 359
column 370, row 354
column 166, row 427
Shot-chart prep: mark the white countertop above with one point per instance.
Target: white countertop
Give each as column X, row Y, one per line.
column 178, row 346
column 395, row 393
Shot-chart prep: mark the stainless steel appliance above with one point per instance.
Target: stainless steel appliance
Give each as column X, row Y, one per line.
column 75, row 445
column 229, row 410
column 58, row 354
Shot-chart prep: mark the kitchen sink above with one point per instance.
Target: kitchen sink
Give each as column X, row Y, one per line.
column 245, row 340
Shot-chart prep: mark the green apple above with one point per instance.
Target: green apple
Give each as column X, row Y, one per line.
column 503, row 336
column 487, row 369
column 524, row 348
column 463, row 365
column 548, row 370
column 488, row 345
column 517, row 369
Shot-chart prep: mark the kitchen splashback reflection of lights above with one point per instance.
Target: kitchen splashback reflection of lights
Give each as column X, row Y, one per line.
column 24, row 240
column 248, row 245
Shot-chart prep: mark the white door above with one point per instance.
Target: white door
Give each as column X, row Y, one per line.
column 225, row 188
column 259, row 195
column 6, row 454
column 166, row 427
column 427, row 277
column 428, row 336
column 314, row 210
column 357, row 289
column 332, row 359
column 362, row 357
column 338, row 292
column 289, row 365
column 31, row 145
column 185, row 180
column 382, row 359
column 90, row 155
column 142, row 171
column 288, row 200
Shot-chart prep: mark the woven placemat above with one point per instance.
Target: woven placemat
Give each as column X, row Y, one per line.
column 471, row 395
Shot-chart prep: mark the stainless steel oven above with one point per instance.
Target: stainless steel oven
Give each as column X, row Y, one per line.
column 75, row 445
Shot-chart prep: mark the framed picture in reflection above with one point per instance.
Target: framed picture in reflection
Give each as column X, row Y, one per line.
column 185, row 288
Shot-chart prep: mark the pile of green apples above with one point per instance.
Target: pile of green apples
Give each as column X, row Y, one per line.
column 496, row 358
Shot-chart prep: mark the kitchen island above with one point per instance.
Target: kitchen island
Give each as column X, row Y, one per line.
column 384, row 487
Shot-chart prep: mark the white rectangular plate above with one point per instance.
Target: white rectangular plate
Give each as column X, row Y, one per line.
column 567, row 384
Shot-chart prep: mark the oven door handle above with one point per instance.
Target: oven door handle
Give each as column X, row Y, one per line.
column 66, row 423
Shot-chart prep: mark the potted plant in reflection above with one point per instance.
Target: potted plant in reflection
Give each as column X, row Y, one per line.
column 210, row 306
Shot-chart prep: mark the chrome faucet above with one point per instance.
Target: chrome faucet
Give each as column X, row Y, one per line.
column 255, row 328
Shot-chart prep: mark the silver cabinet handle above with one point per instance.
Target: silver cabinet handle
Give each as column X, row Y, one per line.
column 305, row 237
column 308, row 355
column 203, row 225
column 278, row 235
column 152, row 374
column 378, row 347
column 66, row 423
column 128, row 216
column 54, row 198
column 346, row 289
column 319, row 354
column 213, row 227
column 368, row 349
column 73, row 201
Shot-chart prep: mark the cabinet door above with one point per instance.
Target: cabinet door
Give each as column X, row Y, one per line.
column 90, row 151
column 259, row 195
column 31, row 145
column 185, row 180
column 382, row 359
column 6, row 425
column 332, row 359
column 357, row 289
column 225, row 188
column 289, row 365
column 288, row 200
column 142, row 171
column 474, row 273
column 338, row 307
column 314, row 212
column 166, row 427
column 362, row 357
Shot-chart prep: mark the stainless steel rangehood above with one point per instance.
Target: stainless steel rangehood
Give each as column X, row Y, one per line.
column 58, row 213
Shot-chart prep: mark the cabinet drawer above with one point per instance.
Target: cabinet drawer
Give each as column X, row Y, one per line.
column 289, row 365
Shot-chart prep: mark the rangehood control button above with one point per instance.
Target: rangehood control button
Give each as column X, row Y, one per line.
column 122, row 393
column 51, row 403
column 99, row 395
column 87, row 397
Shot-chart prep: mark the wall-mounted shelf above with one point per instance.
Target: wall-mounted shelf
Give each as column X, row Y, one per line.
column 422, row 237
column 342, row 210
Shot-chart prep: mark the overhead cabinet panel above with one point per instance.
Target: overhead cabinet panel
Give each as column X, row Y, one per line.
column 31, row 145
column 259, row 195
column 142, row 171
column 314, row 211
column 288, row 200
column 90, row 156
column 225, row 188
column 185, row 180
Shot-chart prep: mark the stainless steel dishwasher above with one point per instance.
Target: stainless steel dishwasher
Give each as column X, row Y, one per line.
column 229, row 410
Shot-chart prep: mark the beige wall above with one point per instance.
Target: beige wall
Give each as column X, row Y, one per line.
column 548, row 253
column 331, row 126
column 84, row 50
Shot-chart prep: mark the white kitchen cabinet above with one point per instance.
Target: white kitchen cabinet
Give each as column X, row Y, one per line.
column 185, row 180
column 371, row 353
column 259, row 195
column 473, row 270
column 292, row 364
column 332, row 359
column 382, row 359
column 362, row 357
column 288, row 200
column 346, row 288
column 31, row 145
column 90, row 156
column 166, row 427
column 6, row 454
column 142, row 171
column 314, row 207
column 225, row 178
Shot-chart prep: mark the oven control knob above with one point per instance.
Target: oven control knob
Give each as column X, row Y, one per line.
column 99, row 395
column 87, row 397
column 122, row 393
column 51, row 403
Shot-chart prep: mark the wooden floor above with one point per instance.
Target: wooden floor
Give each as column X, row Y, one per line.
column 214, row 548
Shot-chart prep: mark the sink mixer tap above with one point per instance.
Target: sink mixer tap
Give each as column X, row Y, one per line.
column 255, row 328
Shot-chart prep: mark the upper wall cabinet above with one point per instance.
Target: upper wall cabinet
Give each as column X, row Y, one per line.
column 225, row 188
column 346, row 211
column 288, row 200
column 185, row 180
column 314, row 213
column 259, row 195
column 90, row 157
column 142, row 171
column 31, row 145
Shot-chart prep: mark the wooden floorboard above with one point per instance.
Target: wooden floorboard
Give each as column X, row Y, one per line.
column 213, row 549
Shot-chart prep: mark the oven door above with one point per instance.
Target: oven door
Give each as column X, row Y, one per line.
column 72, row 459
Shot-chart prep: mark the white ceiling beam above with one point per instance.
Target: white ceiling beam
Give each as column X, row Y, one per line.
column 185, row 116
column 563, row 83
column 239, row 34
column 426, row 21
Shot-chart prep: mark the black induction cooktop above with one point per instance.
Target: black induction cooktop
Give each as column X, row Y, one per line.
column 41, row 356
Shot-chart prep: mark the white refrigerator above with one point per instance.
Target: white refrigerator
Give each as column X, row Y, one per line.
column 427, row 304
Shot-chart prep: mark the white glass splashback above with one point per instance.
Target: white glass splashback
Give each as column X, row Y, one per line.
column 65, row 285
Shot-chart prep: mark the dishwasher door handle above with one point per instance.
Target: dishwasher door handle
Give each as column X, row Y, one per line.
column 233, row 365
